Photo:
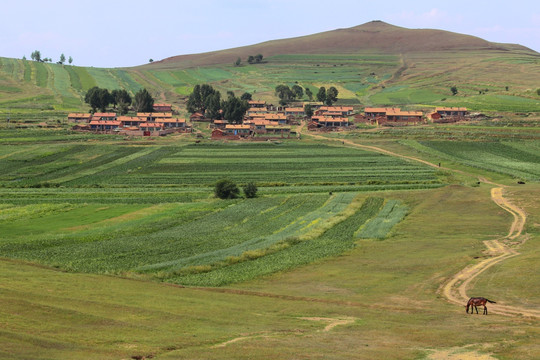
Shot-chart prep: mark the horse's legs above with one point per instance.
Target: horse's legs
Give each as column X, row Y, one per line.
column 476, row 307
column 485, row 310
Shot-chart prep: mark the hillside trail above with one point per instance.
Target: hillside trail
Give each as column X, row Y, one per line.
column 455, row 289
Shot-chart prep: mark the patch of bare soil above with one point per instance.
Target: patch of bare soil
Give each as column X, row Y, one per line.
column 332, row 322
column 458, row 354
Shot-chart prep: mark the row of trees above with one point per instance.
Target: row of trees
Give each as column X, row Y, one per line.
column 287, row 94
column 36, row 56
column 206, row 100
column 100, row 98
column 251, row 59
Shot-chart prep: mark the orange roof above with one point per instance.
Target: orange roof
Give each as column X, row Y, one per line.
column 261, row 122
column 257, row 110
column 378, row 110
column 275, row 116
column 451, row 109
column 105, row 122
column 104, row 114
column 331, row 119
column 78, row 115
column 337, row 108
column 296, row 109
column 163, row 105
column 129, row 118
column 237, row 127
column 147, row 125
column 398, row 112
column 155, row 115
column 175, row 120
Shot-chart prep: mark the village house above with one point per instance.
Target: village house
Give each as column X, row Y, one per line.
column 197, row 116
column 257, row 104
column 278, row 130
column 105, row 125
column 392, row 115
column 162, row 107
column 295, row 111
column 172, row 123
column 104, row 116
column 128, row 121
column 241, row 130
column 79, row 117
column 449, row 114
column 153, row 116
column 334, row 111
column 372, row 112
column 259, row 126
column 219, row 124
column 397, row 115
column 328, row 123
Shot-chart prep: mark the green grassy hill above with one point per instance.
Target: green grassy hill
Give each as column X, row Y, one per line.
column 375, row 64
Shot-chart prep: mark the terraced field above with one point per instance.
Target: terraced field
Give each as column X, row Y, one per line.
column 149, row 209
column 274, row 167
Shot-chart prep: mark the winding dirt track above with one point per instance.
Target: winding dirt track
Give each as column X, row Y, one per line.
column 455, row 289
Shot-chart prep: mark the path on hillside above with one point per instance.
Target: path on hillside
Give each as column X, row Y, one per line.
column 455, row 290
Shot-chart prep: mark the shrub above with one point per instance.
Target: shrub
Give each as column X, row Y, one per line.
column 226, row 189
column 250, row 190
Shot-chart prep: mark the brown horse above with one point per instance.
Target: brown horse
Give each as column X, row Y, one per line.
column 478, row 301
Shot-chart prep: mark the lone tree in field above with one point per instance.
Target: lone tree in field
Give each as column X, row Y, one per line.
column 62, row 58
column 238, row 62
column 250, row 190
column 226, row 189
column 143, row 102
column 454, row 90
column 258, row 58
column 251, row 59
column 70, row 60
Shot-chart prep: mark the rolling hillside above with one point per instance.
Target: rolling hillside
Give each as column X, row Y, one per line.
column 371, row 64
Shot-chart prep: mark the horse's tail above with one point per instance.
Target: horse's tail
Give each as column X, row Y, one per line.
column 493, row 302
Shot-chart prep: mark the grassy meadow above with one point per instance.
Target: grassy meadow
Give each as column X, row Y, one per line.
column 115, row 248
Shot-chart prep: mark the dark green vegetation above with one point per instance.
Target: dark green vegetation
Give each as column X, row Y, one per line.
column 195, row 168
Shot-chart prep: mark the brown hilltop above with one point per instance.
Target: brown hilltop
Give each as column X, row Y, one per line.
column 374, row 36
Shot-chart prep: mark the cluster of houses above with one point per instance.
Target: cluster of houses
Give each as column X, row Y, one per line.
column 391, row 116
column 261, row 121
column 264, row 120
column 158, row 123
